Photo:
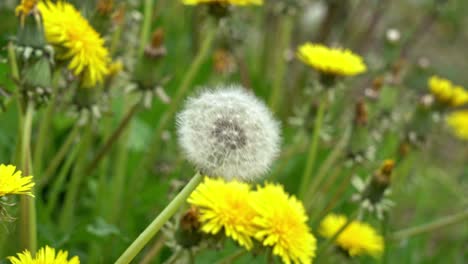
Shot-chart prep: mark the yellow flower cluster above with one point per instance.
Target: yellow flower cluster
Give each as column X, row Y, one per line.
column 458, row 122
column 446, row 92
column 228, row 2
column 332, row 61
column 268, row 214
column 76, row 41
column 357, row 238
column 45, row 255
column 11, row 181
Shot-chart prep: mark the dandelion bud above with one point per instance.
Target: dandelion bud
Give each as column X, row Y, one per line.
column 187, row 234
column 380, row 181
column 228, row 132
column 361, row 114
column 373, row 193
column 156, row 48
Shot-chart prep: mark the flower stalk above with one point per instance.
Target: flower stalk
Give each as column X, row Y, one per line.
column 28, row 232
column 430, row 227
column 169, row 114
column 285, row 31
column 312, row 153
column 159, row 221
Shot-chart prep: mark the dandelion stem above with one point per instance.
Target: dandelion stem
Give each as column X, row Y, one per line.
column 75, row 181
column 58, row 158
column 154, row 251
column 168, row 115
column 42, row 136
column 327, row 164
column 60, row 180
column 113, row 138
column 28, row 230
column 159, row 221
column 13, row 62
column 311, row 156
column 28, row 233
column 284, row 38
column 432, row 226
column 118, row 181
column 146, row 28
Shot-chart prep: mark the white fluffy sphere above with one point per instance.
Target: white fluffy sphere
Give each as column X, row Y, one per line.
column 228, row 132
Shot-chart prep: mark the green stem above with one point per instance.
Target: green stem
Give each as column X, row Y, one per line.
column 13, row 62
column 311, row 156
column 43, row 135
column 432, row 226
column 384, row 230
column 159, row 221
column 154, row 251
column 75, row 181
column 58, row 158
column 113, row 138
column 327, row 165
column 59, row 183
column 146, row 27
column 283, row 41
column 28, row 232
column 118, row 181
column 115, row 39
column 173, row 106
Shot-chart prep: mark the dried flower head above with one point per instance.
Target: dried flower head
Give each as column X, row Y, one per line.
column 356, row 239
column 44, row 255
column 228, row 132
column 11, row 181
column 331, row 61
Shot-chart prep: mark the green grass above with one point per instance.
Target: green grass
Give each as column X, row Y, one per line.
column 427, row 184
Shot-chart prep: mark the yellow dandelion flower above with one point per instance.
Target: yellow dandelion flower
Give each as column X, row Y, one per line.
column 458, row 122
column 446, row 92
column 459, row 96
column 24, row 8
column 282, row 225
column 229, row 2
column 225, row 205
column 45, row 255
column 76, row 41
column 333, row 61
column 12, row 182
column 357, row 239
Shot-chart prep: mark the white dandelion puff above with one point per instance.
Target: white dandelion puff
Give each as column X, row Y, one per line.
column 228, row 132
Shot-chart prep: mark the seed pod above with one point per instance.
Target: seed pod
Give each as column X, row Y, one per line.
column 228, row 132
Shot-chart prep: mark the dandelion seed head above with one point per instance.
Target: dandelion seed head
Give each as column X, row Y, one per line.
column 228, row 132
